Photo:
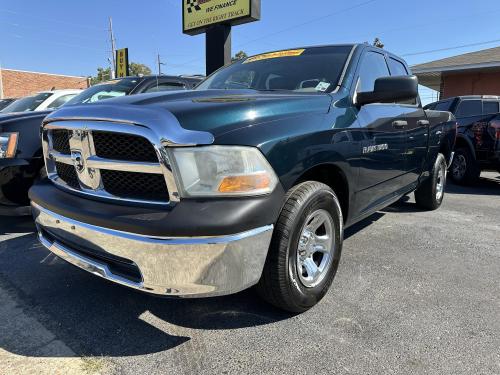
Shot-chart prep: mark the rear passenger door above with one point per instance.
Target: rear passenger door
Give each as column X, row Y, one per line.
column 416, row 128
column 382, row 163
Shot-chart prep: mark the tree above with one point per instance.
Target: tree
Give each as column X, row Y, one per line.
column 104, row 74
column 136, row 69
column 239, row 56
column 378, row 43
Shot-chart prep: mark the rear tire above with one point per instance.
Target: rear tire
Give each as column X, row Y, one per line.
column 430, row 193
column 305, row 249
column 464, row 168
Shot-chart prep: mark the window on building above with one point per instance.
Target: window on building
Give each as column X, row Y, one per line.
column 468, row 108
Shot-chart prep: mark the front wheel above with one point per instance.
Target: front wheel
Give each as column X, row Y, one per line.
column 305, row 249
column 430, row 193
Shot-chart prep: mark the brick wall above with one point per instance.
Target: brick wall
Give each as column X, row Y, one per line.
column 18, row 83
column 483, row 83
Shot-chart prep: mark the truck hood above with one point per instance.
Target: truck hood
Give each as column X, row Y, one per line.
column 213, row 111
column 20, row 116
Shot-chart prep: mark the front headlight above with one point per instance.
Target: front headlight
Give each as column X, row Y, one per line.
column 8, row 145
column 222, row 171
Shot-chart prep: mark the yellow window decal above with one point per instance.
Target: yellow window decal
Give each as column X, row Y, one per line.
column 274, row 55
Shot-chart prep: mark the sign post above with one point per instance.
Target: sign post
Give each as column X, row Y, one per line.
column 122, row 63
column 215, row 18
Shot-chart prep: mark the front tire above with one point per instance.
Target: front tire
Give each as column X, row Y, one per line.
column 430, row 193
column 305, row 249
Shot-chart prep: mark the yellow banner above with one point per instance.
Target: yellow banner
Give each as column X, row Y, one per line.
column 199, row 14
column 122, row 63
column 274, row 55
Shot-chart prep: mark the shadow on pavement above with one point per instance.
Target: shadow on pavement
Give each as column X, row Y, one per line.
column 97, row 318
column 484, row 186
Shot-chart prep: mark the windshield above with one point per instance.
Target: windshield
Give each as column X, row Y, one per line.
column 313, row 70
column 107, row 90
column 29, row 103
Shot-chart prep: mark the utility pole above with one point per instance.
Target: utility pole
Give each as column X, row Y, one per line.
column 113, row 48
column 159, row 64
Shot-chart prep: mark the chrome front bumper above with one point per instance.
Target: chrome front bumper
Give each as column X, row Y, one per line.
column 176, row 267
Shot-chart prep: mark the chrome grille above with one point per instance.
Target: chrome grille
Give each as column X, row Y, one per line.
column 109, row 161
column 123, row 147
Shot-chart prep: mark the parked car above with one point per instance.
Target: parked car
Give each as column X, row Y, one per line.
column 249, row 179
column 45, row 100
column 20, row 168
column 478, row 140
column 5, row 102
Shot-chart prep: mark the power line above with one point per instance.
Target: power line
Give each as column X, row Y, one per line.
column 50, row 20
column 309, row 22
column 299, row 25
column 450, row 48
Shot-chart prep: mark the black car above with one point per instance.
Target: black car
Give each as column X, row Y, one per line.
column 250, row 179
column 5, row 102
column 21, row 160
column 478, row 139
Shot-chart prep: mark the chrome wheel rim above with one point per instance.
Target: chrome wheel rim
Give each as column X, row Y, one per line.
column 459, row 166
column 314, row 252
column 441, row 178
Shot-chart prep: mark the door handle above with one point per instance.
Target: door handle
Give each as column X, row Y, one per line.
column 399, row 124
column 423, row 123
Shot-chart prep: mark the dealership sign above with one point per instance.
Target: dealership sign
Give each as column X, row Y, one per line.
column 122, row 63
column 198, row 15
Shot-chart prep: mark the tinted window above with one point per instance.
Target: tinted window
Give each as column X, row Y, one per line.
column 490, row 108
column 443, row 106
column 397, row 68
column 106, row 90
column 27, row 104
column 372, row 67
column 166, row 86
column 60, row 101
column 469, row 108
column 313, row 70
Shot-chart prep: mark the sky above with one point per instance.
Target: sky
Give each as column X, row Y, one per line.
column 71, row 37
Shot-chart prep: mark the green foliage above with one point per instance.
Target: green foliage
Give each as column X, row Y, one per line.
column 136, row 69
column 240, row 55
column 104, row 74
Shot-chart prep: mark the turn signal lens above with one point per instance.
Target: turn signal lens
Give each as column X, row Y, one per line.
column 8, row 145
column 243, row 184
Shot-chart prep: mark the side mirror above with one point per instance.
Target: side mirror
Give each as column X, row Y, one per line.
column 390, row 90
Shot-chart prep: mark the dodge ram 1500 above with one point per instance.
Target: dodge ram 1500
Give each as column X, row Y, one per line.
column 250, row 179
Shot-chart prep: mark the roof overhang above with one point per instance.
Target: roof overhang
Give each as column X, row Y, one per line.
column 431, row 77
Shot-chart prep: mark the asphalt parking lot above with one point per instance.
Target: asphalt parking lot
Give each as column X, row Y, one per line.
column 416, row 293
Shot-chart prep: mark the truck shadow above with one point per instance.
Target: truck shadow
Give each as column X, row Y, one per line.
column 97, row 318
column 488, row 184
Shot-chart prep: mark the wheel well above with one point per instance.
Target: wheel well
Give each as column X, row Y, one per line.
column 332, row 176
column 461, row 142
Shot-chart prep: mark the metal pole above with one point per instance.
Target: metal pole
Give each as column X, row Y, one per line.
column 159, row 65
column 113, row 48
column 218, row 47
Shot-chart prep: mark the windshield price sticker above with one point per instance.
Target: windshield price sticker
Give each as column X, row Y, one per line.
column 274, row 55
column 322, row 86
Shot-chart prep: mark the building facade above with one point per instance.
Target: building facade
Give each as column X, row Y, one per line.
column 19, row 83
column 476, row 73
